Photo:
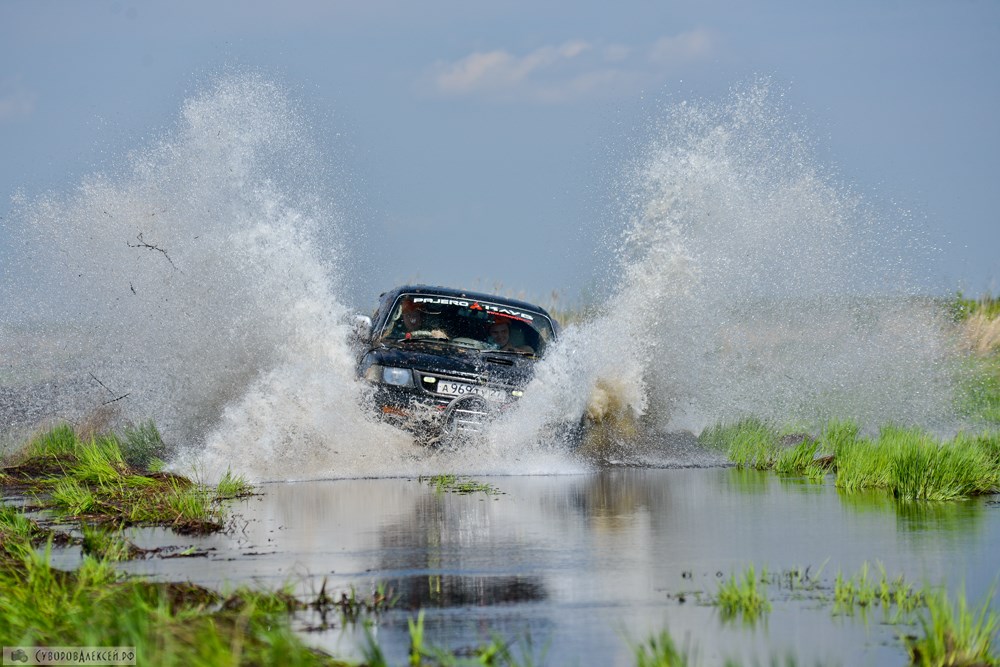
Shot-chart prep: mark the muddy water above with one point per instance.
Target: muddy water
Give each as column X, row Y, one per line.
column 587, row 565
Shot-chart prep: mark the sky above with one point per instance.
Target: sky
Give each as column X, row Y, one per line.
column 504, row 127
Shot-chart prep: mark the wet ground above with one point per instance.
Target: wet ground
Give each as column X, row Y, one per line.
column 588, row 565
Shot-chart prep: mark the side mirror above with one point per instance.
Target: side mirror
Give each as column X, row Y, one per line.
column 361, row 328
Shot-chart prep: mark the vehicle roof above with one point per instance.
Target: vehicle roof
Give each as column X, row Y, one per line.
column 463, row 294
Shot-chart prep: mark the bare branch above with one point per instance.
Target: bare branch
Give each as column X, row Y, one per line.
column 102, row 384
column 113, row 400
column 149, row 246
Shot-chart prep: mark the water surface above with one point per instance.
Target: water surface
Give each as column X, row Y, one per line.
column 588, row 565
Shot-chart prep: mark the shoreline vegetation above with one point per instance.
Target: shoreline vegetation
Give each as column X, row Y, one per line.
column 82, row 490
column 907, row 463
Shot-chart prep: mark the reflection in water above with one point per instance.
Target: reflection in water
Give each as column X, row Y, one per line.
column 434, row 537
column 583, row 564
column 437, row 590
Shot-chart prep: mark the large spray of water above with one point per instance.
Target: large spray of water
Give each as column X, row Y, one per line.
column 168, row 289
column 748, row 284
column 200, row 287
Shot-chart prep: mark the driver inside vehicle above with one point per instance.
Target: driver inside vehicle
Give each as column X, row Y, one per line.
column 500, row 336
column 411, row 324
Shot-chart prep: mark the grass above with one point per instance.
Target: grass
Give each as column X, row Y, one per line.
column 460, row 485
column 908, row 463
column 143, row 447
column 496, row 652
column 912, row 465
column 349, row 606
column 987, row 306
column 954, row 635
column 744, row 597
column 233, row 486
column 749, row 443
column 979, row 394
column 661, row 651
column 863, row 591
column 93, row 480
column 169, row 624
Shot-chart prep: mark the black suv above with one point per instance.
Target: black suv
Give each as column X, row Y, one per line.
column 444, row 361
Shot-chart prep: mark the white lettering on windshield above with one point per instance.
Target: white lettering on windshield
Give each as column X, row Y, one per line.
column 488, row 307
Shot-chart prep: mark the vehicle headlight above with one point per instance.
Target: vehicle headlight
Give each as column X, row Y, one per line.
column 397, row 377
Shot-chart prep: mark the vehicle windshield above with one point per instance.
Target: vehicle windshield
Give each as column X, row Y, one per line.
column 467, row 323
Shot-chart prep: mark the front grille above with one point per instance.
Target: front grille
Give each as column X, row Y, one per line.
column 466, row 416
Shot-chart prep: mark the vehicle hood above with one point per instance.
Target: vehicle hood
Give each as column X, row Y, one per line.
column 500, row 368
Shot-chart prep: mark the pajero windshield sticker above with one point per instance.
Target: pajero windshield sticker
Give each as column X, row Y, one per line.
column 476, row 305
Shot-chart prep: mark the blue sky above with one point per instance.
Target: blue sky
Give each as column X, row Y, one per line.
column 504, row 127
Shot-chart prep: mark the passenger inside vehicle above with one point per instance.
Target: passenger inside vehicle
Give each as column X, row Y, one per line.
column 412, row 322
column 500, row 335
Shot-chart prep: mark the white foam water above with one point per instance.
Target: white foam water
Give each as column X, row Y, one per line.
column 200, row 286
column 748, row 283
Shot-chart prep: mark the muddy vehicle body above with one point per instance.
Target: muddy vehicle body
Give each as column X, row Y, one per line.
column 444, row 362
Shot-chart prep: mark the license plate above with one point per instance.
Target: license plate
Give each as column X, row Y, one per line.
column 464, row 389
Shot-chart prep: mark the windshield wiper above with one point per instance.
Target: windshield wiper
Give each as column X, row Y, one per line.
column 517, row 352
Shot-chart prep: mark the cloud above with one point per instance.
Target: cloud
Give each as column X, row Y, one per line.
column 684, row 47
column 573, row 70
column 496, row 70
column 16, row 103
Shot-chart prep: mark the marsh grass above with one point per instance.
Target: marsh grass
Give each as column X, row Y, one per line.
column 233, row 486
column 749, row 443
column 912, row 465
column 802, row 459
column 92, row 479
column 350, row 607
column 744, row 597
column 104, row 544
column 142, row 446
column 460, row 485
column 169, row 624
column 496, row 652
column 59, row 440
column 979, row 390
column 986, row 306
column 908, row 463
column 661, row 651
column 863, row 590
column 955, row 635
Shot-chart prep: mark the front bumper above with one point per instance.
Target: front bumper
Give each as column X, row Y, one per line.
column 424, row 409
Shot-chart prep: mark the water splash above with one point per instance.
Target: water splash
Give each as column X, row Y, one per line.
column 200, row 286
column 190, row 274
column 748, row 283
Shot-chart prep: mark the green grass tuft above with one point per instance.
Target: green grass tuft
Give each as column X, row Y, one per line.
column 104, row 544
column 169, row 624
column 912, row 465
column 744, row 597
column 142, row 446
column 863, row 591
column 661, row 651
column 962, row 307
column 56, row 441
column 460, row 485
column 232, row 486
column 955, row 635
column 750, row 443
column 73, row 497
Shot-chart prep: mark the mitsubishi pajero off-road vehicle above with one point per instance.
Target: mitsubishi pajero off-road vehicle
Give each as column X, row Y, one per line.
column 444, row 362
